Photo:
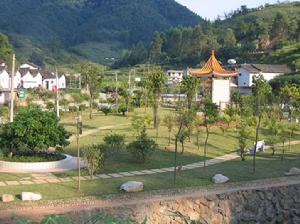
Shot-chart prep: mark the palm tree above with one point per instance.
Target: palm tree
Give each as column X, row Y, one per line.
column 190, row 86
column 156, row 83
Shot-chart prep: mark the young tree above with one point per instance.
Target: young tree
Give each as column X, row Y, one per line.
column 33, row 130
column 261, row 90
column 94, row 158
column 229, row 39
column 283, row 139
column 197, row 123
column 142, row 147
column 156, row 83
column 244, row 132
column 274, row 128
column 190, row 85
column 93, row 79
column 168, row 122
column 211, row 114
column 139, row 122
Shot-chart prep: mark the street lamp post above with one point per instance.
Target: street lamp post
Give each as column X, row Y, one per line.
column 11, row 117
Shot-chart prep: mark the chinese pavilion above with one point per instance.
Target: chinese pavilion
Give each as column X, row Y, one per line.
column 215, row 80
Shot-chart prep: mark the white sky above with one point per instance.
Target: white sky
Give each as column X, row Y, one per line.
column 210, row 9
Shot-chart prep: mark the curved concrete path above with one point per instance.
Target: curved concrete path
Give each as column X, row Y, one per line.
column 41, row 178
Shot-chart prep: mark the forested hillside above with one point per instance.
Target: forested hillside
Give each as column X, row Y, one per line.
column 268, row 34
column 64, row 31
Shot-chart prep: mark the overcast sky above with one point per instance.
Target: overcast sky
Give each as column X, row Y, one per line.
column 210, row 9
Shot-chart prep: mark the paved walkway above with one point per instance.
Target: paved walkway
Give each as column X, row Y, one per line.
column 45, row 178
column 93, row 131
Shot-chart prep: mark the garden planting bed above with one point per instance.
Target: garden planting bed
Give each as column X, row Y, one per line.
column 7, row 166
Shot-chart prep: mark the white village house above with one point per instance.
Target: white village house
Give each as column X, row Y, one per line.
column 248, row 71
column 28, row 76
column 4, row 84
column 175, row 76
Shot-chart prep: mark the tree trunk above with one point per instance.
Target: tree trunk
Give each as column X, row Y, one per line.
column 256, row 140
column 205, row 144
column 155, row 109
column 283, row 151
column 91, row 107
column 169, row 137
column 182, row 148
column 176, row 150
column 198, row 140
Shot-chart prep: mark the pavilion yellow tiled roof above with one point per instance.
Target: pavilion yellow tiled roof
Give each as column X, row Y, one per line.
column 212, row 67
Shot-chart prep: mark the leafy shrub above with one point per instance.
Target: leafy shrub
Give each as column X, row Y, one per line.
column 33, row 157
column 94, row 158
column 82, row 107
column 142, row 147
column 114, row 143
column 4, row 111
column 50, row 106
column 122, row 109
column 106, row 110
column 33, row 130
column 73, row 109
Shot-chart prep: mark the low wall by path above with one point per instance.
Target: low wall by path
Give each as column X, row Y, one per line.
column 34, row 166
column 275, row 200
column 274, row 205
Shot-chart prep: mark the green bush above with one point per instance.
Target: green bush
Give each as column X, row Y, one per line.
column 122, row 109
column 33, row 130
column 4, row 111
column 73, row 109
column 82, row 107
column 94, row 158
column 114, row 143
column 33, row 157
column 143, row 147
column 50, row 106
column 106, row 110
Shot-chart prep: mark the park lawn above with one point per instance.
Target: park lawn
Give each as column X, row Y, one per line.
column 267, row 166
column 13, row 176
column 218, row 144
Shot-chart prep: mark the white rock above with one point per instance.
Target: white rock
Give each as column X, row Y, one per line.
column 7, row 198
column 30, row 196
column 132, row 186
column 293, row 171
column 219, row 179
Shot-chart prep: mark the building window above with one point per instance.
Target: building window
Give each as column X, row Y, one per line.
column 52, row 82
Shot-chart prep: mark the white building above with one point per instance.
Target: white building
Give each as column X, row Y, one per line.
column 175, row 76
column 49, row 81
column 248, row 71
column 4, row 85
column 28, row 78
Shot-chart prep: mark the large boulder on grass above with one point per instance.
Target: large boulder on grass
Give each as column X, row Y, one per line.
column 132, row 186
column 7, row 198
column 30, row 196
column 293, row 172
column 220, row 179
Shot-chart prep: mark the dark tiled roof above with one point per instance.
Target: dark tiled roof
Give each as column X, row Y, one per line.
column 34, row 72
column 47, row 75
column 23, row 71
column 266, row 68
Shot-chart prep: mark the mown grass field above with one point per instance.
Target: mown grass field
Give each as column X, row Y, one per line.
column 267, row 166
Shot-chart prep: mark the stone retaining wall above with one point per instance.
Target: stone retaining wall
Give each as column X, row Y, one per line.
column 274, row 205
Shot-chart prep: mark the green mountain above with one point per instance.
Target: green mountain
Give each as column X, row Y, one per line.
column 64, row 31
column 267, row 34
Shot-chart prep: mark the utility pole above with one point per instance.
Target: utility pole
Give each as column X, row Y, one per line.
column 11, row 117
column 79, row 130
column 57, row 94
column 116, row 76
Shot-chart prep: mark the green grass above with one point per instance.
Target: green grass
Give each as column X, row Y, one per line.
column 267, row 167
